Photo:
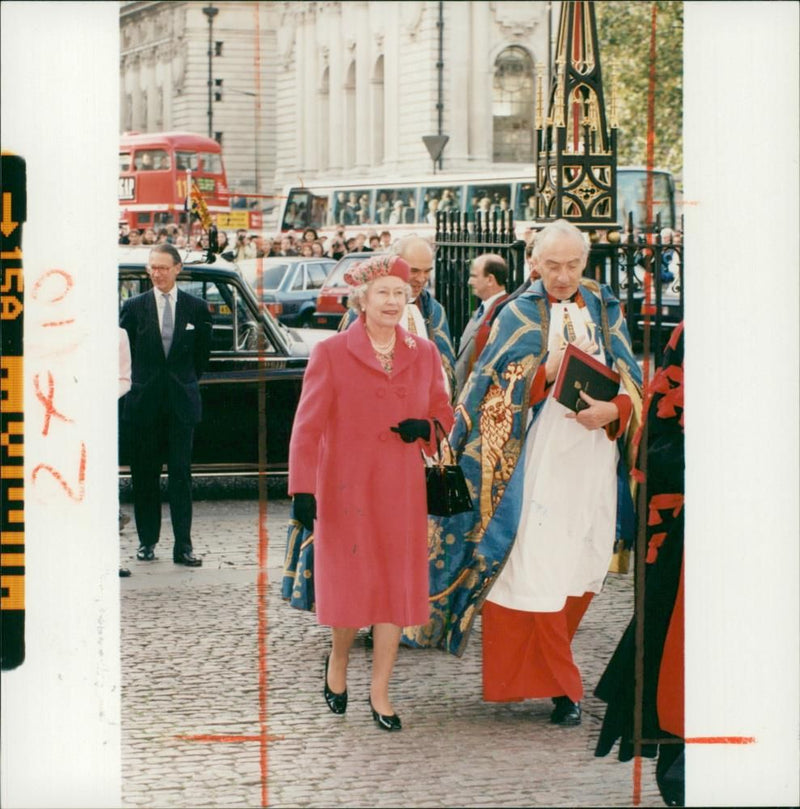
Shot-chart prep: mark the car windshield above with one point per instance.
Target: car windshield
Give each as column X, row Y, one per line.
column 264, row 274
column 336, row 276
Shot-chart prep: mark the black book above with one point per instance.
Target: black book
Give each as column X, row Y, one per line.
column 581, row 372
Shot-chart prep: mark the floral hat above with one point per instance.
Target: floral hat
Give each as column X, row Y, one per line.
column 365, row 271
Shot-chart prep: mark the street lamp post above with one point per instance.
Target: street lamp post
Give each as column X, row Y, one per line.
column 210, row 12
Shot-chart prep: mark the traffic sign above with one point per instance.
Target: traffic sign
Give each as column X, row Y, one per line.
column 233, row 220
column 435, row 145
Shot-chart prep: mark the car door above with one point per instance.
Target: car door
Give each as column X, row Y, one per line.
column 250, row 390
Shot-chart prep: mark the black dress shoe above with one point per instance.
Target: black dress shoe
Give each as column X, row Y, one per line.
column 145, row 553
column 336, row 702
column 566, row 713
column 124, row 572
column 187, row 558
column 385, row 722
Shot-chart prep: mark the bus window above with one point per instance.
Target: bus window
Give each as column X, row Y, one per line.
column 489, row 198
column 299, row 205
column 396, row 206
column 319, row 212
column 186, row 160
column 525, row 201
column 632, row 197
column 351, row 207
column 124, row 161
column 439, row 198
column 151, row 160
column 210, row 163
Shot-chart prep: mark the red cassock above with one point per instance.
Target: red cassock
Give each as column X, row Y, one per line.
column 370, row 538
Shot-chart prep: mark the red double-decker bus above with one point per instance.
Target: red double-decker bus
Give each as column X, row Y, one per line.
column 155, row 170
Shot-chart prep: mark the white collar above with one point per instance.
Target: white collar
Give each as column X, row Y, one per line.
column 172, row 294
column 489, row 301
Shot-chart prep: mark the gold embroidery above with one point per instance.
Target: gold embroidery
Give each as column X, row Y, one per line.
column 496, row 420
column 569, row 327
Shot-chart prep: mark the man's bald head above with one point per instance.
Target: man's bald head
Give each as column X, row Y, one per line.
column 419, row 255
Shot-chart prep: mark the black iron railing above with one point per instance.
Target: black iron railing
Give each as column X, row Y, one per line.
column 645, row 271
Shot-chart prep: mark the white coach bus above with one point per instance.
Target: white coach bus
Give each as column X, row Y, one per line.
column 410, row 205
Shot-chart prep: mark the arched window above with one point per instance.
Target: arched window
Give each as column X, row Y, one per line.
column 378, row 137
column 512, row 106
column 325, row 120
column 350, row 117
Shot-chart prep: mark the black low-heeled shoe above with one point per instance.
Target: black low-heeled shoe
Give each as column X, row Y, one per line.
column 566, row 712
column 385, row 722
column 336, row 702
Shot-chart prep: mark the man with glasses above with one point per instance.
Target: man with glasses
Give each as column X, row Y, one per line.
column 170, row 338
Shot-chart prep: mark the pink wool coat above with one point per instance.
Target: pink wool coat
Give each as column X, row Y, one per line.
column 370, row 537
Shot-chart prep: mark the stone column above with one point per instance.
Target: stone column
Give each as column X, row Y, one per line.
column 391, row 83
column 336, row 89
column 363, row 55
column 458, row 59
column 480, row 117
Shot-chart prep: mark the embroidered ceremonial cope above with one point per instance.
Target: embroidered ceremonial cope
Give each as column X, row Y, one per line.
column 467, row 551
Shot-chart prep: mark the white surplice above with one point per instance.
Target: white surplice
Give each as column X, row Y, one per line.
column 567, row 527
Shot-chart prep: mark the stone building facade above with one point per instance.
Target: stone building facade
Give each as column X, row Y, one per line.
column 164, row 79
column 305, row 91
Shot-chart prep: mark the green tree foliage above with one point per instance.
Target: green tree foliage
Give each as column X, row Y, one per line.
column 623, row 30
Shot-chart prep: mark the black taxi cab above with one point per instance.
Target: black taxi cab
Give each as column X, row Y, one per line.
column 254, row 376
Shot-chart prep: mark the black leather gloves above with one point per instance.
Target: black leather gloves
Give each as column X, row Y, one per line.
column 305, row 510
column 412, row 429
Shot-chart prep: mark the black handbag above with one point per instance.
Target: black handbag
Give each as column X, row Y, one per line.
column 445, row 482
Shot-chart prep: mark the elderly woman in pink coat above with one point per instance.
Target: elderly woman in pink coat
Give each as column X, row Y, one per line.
column 356, row 474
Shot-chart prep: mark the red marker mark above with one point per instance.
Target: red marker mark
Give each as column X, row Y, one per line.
column 68, row 282
column 76, row 496
column 637, row 761
column 651, row 92
column 47, row 402
column 211, row 737
column 637, row 781
column 264, row 737
column 59, row 322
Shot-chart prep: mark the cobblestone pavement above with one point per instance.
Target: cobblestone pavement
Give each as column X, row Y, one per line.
column 196, row 733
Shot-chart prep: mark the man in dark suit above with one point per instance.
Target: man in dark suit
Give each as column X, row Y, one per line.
column 170, row 336
column 487, row 277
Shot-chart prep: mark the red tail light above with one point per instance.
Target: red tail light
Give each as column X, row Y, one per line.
column 274, row 309
column 331, row 302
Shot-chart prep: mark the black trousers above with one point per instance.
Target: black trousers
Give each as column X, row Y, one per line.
column 170, row 440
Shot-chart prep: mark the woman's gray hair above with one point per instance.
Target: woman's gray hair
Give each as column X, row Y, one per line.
column 357, row 294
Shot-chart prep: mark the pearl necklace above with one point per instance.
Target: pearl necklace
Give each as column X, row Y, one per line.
column 383, row 348
column 384, row 352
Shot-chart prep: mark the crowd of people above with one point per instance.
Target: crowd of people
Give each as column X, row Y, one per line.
column 244, row 244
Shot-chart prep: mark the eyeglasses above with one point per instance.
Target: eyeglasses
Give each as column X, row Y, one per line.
column 160, row 267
